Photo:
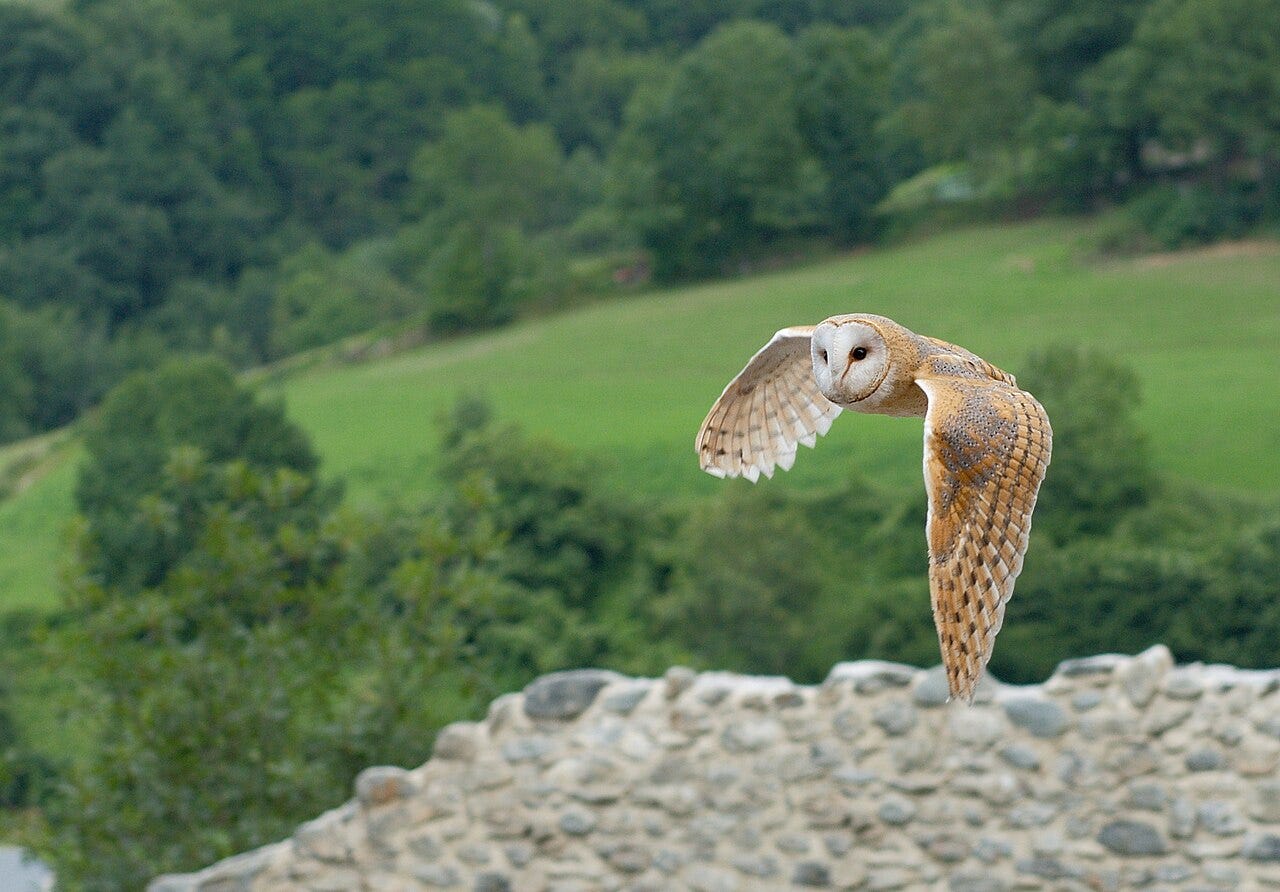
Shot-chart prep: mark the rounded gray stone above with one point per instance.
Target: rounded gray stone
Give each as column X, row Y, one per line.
column 526, row 749
column 793, row 843
column 1148, row 796
column 1269, row 725
column 1205, row 759
column 1132, row 838
column 750, row 735
column 1042, row 718
column 1141, row 676
column 976, row 881
column 623, row 702
column 976, row 726
column 1173, row 873
column 1265, row 804
column 1032, row 814
column 1222, row 875
column 913, row 754
column 932, row 690
column 896, row 811
column 847, row 724
column 1183, row 684
column 456, row 742
column 565, row 695
column 1182, row 818
column 1048, row 868
column 989, row 851
column 755, row 865
column 382, row 784
column 812, row 874
column 1081, row 667
column 438, row 875
column 896, row 717
column 1221, row 818
column 1086, row 700
column 629, row 858
column 871, row 676
column 789, row 700
column 885, row 879
column 1020, row 756
column 677, row 680
column 492, row 882
column 1262, row 847
column 577, row 822
column 949, row 848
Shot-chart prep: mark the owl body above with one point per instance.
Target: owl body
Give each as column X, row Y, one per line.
column 986, row 449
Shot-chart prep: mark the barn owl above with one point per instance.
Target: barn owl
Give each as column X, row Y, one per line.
column 986, row 448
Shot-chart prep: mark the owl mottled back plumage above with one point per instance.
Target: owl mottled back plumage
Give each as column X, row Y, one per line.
column 986, row 449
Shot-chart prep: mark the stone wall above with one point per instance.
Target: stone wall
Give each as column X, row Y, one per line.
column 1116, row 773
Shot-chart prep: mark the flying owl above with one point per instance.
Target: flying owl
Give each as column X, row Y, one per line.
column 986, row 448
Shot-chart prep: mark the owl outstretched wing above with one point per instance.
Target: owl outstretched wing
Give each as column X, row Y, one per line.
column 986, row 448
column 772, row 405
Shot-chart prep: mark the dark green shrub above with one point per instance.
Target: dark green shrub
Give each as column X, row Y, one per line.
column 1182, row 215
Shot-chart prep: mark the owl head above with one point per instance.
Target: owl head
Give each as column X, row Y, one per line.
column 851, row 359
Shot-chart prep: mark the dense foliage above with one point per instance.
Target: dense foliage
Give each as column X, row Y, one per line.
column 257, row 179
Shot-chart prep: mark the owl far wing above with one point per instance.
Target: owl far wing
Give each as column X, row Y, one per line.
column 986, row 448
column 773, row 404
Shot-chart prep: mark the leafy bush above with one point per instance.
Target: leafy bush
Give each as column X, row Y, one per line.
column 1177, row 216
column 1101, row 467
column 27, row 777
column 241, row 694
column 157, row 459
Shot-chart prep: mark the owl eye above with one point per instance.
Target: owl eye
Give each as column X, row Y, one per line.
column 823, row 354
column 859, row 353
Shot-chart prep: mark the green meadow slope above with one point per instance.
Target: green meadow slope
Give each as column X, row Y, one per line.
column 630, row 380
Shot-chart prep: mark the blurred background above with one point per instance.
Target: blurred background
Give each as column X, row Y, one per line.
column 351, row 354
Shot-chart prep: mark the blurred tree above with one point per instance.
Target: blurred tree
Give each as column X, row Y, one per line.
column 484, row 168
column 1075, row 158
column 680, row 24
column 60, row 366
column 972, row 89
column 1063, row 40
column 747, row 593
column 564, row 28
column 130, row 162
column 241, row 694
column 319, row 297
column 842, row 94
column 1213, row 74
column 563, row 529
column 712, row 164
column 1101, row 462
column 156, row 458
column 289, row 644
column 486, row 190
column 588, row 102
column 1209, row 76
column 1203, row 594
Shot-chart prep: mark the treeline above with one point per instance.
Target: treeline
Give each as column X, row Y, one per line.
column 242, row 642
column 254, row 179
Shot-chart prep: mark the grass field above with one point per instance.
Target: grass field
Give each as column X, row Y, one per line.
column 630, row 380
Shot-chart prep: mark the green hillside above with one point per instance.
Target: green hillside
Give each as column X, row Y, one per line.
column 630, row 380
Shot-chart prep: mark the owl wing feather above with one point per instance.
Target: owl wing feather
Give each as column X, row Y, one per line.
column 768, row 408
column 986, row 448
